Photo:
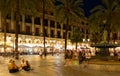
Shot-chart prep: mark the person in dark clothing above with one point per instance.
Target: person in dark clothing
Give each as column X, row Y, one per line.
column 45, row 53
column 66, row 56
column 81, row 56
column 26, row 66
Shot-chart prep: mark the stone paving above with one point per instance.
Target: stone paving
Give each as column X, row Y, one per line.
column 52, row 66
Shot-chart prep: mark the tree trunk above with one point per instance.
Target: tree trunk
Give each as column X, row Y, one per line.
column 76, row 46
column 108, row 36
column 16, row 30
column 43, row 17
column 66, row 34
column 5, row 28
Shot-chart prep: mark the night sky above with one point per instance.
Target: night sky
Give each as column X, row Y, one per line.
column 89, row 4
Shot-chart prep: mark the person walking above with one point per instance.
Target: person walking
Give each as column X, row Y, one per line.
column 70, row 57
column 67, row 57
column 87, row 57
column 80, row 57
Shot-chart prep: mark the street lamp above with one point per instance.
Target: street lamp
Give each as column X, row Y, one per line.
column 86, row 41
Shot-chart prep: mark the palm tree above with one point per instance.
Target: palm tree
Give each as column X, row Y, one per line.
column 76, row 36
column 68, row 12
column 45, row 5
column 96, row 37
column 18, row 7
column 105, row 17
column 3, row 13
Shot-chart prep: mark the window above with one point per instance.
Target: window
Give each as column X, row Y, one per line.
column 52, row 24
column 82, row 35
column 37, row 31
column 18, row 27
column 87, row 37
column 51, row 13
column 20, row 18
column 86, row 23
column 28, row 19
column 58, row 34
column 64, row 26
column 28, row 30
column 83, row 23
column 46, row 22
column 87, row 31
column 8, row 16
column 52, row 33
column 64, row 35
column 69, row 28
column 58, row 25
column 82, row 30
column 37, row 21
column 114, row 36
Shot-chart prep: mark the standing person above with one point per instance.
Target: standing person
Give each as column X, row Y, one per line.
column 75, row 54
column 70, row 56
column 66, row 56
column 45, row 53
column 83, row 55
column 87, row 56
column 80, row 57
column 41, row 54
column 52, row 51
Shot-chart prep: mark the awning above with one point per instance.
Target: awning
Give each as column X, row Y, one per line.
column 7, row 46
column 23, row 46
column 105, row 45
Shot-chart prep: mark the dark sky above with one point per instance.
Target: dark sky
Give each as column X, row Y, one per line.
column 89, row 4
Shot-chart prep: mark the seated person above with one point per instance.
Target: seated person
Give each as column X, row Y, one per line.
column 12, row 67
column 22, row 63
column 26, row 66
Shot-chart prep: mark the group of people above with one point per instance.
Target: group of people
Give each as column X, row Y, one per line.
column 68, row 57
column 82, row 56
column 12, row 67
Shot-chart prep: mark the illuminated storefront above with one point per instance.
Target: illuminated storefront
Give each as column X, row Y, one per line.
column 32, row 44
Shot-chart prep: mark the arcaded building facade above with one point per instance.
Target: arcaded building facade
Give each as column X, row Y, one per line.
column 31, row 30
column 31, row 33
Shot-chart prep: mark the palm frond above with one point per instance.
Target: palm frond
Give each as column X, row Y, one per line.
column 109, row 12
column 97, row 8
column 71, row 9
